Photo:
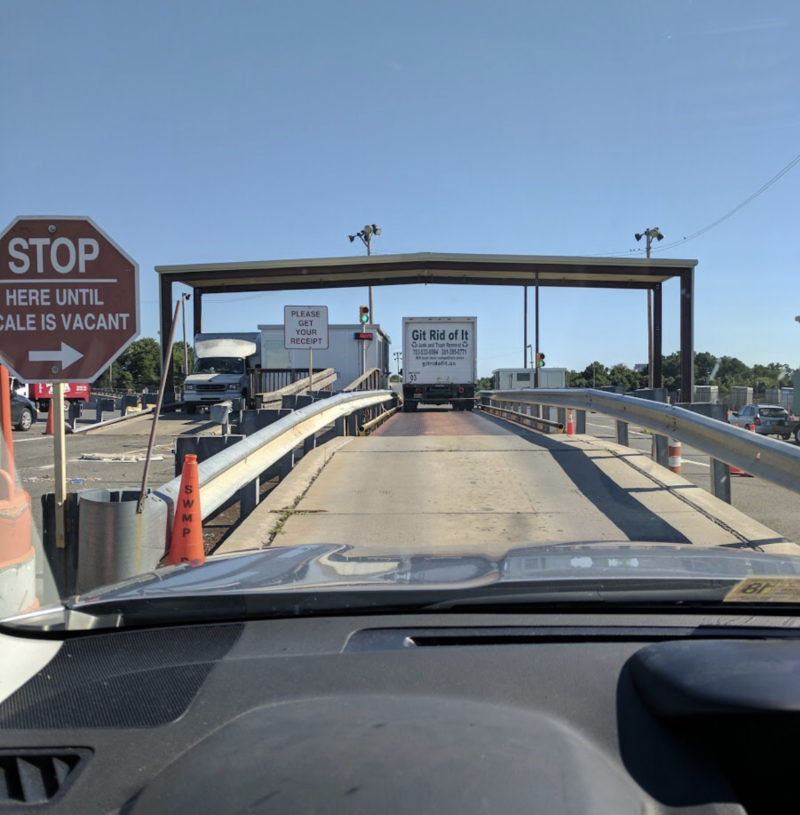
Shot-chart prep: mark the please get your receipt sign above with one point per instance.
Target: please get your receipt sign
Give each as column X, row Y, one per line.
column 305, row 328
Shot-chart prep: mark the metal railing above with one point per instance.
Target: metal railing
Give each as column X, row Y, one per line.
column 770, row 459
column 271, row 385
column 239, row 466
column 321, row 380
column 370, row 380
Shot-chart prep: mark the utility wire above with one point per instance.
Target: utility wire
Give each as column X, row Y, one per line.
column 763, row 188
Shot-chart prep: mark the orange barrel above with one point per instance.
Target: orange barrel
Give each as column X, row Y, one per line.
column 675, row 460
column 17, row 557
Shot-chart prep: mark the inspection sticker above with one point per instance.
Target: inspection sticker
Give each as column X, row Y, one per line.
column 765, row 590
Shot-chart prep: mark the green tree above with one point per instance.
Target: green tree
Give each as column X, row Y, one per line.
column 137, row 367
column 177, row 360
column 484, row 383
column 595, row 375
column 671, row 371
column 621, row 374
column 705, row 365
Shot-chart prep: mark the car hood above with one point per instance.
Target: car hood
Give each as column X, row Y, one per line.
column 335, row 566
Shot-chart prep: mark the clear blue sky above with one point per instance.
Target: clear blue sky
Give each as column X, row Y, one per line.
column 196, row 131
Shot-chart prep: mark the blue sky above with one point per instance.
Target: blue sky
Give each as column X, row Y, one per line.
column 195, row 131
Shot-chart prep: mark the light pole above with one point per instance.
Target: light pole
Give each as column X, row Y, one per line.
column 184, row 298
column 649, row 234
column 366, row 235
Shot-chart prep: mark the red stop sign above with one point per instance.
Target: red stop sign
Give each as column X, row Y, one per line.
column 69, row 299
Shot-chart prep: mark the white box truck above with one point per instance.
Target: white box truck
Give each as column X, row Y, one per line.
column 223, row 362
column 222, row 365
column 439, row 361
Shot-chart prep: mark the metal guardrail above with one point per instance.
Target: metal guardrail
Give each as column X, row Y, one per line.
column 271, row 385
column 238, row 466
column 370, row 380
column 524, row 418
column 770, row 459
column 321, row 380
column 370, row 425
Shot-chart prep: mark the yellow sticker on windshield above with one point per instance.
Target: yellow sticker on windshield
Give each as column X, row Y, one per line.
column 765, row 590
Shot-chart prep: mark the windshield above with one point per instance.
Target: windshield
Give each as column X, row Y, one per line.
column 218, row 365
column 512, row 273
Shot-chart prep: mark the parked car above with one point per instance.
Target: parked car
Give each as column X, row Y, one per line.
column 23, row 412
column 768, row 420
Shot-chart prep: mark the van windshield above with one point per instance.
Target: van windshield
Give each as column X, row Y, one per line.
column 219, row 365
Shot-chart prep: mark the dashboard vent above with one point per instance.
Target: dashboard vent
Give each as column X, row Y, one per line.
column 36, row 776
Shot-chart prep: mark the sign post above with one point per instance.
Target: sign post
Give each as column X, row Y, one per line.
column 306, row 328
column 69, row 306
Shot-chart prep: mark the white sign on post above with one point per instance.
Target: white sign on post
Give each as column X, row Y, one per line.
column 305, row 328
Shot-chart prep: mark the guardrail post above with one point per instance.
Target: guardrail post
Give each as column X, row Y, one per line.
column 340, row 426
column 580, row 421
column 661, row 450
column 248, row 497
column 721, row 480
column 286, row 464
column 622, row 433
column 309, row 444
column 561, row 416
column 352, row 423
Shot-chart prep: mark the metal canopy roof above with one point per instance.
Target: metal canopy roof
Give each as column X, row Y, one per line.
column 434, row 267
column 426, row 267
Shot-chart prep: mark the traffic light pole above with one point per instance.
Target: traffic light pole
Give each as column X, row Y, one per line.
column 536, row 330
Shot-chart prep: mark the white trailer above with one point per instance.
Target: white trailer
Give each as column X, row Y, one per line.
column 439, row 361
column 352, row 350
column 506, row 379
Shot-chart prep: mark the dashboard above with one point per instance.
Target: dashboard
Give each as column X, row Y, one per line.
column 446, row 713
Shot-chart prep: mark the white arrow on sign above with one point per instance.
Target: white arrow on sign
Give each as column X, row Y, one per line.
column 66, row 356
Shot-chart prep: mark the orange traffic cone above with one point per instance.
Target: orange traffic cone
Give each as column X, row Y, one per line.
column 17, row 555
column 7, row 443
column 570, row 423
column 48, row 431
column 186, row 543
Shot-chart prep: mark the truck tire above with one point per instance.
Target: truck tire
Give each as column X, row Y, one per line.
column 191, row 409
column 409, row 406
column 797, row 434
